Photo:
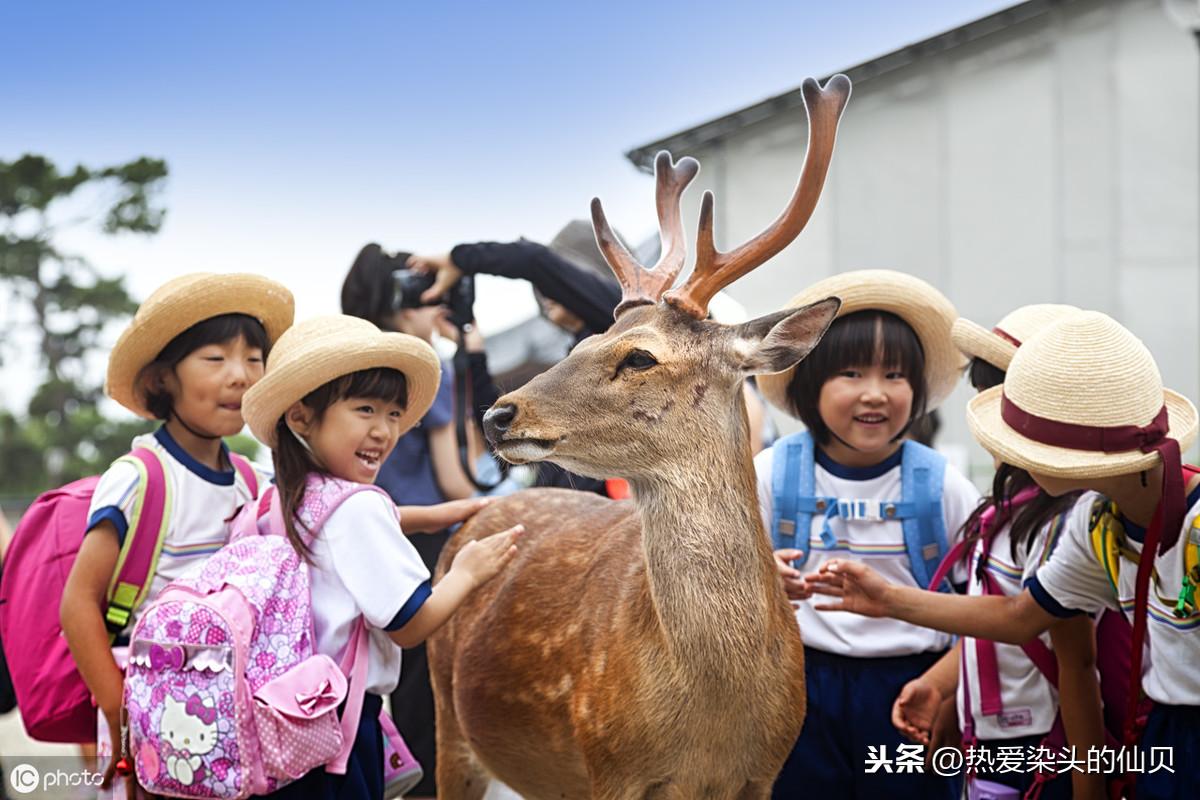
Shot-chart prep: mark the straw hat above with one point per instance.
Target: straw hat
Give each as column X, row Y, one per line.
column 913, row 300
column 319, row 350
column 1085, row 370
column 181, row 303
column 998, row 346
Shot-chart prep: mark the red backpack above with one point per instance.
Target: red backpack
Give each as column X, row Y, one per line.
column 55, row 703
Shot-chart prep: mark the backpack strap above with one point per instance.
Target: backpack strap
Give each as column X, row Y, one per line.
column 354, row 666
column 246, row 470
column 922, row 474
column 138, row 558
column 793, row 476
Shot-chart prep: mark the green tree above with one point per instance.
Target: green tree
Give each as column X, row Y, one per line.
column 61, row 302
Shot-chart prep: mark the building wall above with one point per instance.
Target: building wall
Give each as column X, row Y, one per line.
column 1054, row 161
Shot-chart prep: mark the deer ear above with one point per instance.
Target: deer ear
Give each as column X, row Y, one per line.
column 781, row 340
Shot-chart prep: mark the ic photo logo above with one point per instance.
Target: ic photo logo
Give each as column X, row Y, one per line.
column 24, row 778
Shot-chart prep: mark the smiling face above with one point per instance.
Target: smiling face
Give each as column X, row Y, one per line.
column 207, row 385
column 352, row 437
column 865, row 409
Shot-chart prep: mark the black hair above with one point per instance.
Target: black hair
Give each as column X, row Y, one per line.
column 293, row 462
column 1009, row 481
column 214, row 330
column 859, row 339
column 368, row 291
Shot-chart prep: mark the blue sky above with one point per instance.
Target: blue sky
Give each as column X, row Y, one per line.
column 297, row 131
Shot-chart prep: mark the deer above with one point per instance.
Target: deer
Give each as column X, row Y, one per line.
column 645, row 648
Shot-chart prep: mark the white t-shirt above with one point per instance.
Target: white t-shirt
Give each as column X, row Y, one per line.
column 1074, row 579
column 202, row 499
column 881, row 544
column 364, row 565
column 1030, row 702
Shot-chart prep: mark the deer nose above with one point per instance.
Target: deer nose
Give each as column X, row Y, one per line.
column 496, row 421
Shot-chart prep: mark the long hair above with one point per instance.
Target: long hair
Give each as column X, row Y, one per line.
column 857, row 340
column 293, row 461
column 1009, row 481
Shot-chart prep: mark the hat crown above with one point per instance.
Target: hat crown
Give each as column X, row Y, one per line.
column 1027, row 321
column 1086, row 369
column 298, row 340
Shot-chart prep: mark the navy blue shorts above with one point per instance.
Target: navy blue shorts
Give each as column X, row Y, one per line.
column 364, row 770
column 850, row 709
column 1176, row 728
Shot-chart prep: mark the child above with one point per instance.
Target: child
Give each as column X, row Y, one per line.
column 1003, row 699
column 337, row 397
column 193, row 349
column 1059, row 416
column 886, row 360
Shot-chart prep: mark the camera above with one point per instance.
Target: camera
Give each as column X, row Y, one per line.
column 408, row 286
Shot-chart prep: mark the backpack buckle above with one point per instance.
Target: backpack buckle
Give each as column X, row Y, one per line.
column 864, row 510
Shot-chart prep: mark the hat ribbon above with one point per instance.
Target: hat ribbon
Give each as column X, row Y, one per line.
column 1115, row 439
column 1006, row 336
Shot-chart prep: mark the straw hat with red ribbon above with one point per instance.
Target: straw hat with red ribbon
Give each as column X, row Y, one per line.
column 1084, row 399
column 998, row 346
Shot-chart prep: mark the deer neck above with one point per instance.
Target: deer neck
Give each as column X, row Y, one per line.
column 707, row 555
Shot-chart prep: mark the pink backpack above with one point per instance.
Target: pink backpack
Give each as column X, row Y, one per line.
column 55, row 703
column 224, row 692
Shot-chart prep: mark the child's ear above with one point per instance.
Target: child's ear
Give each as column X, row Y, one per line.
column 299, row 418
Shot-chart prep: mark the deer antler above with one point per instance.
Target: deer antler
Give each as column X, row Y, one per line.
column 641, row 286
column 716, row 270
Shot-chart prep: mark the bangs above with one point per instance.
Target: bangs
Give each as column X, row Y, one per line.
column 379, row 383
column 215, row 330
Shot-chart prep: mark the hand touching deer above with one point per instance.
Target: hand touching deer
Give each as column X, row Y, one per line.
column 642, row 649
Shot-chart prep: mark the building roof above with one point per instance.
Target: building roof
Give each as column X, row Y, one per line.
column 714, row 130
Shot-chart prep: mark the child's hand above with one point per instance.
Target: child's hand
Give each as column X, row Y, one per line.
column 482, row 559
column 915, row 709
column 793, row 582
column 945, row 731
column 861, row 589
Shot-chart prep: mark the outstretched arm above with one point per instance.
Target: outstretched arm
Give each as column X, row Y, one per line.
column 861, row 590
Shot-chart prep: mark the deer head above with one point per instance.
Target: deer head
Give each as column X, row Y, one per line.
column 663, row 382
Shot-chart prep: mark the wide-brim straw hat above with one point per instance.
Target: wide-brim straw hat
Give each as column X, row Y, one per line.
column 998, row 346
column 319, row 350
column 1086, row 370
column 923, row 307
column 179, row 304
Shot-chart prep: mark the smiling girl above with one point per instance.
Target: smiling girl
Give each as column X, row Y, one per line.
column 337, row 396
column 851, row 486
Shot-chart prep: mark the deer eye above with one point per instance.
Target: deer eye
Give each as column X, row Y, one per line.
column 637, row 359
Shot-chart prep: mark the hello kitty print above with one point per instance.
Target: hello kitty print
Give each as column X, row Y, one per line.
column 224, row 693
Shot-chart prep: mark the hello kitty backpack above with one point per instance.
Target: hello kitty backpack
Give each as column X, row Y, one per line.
column 224, row 694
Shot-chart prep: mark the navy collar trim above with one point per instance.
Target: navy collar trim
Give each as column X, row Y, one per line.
column 1138, row 533
column 858, row 473
column 219, row 477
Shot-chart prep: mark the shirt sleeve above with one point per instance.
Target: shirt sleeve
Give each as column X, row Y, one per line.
column 582, row 292
column 1073, row 580
column 763, row 464
column 375, row 561
column 114, row 497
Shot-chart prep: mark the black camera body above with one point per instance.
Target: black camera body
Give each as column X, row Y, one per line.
column 409, row 285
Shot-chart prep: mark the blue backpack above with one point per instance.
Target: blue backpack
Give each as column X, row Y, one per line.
column 919, row 509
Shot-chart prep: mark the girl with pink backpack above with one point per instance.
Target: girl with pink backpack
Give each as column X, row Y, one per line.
column 189, row 355
column 336, row 397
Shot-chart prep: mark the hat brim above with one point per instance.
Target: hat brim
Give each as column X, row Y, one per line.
column 194, row 299
column 975, row 341
column 994, row 434
column 287, row 384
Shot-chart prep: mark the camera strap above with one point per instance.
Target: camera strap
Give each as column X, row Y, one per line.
column 463, row 410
